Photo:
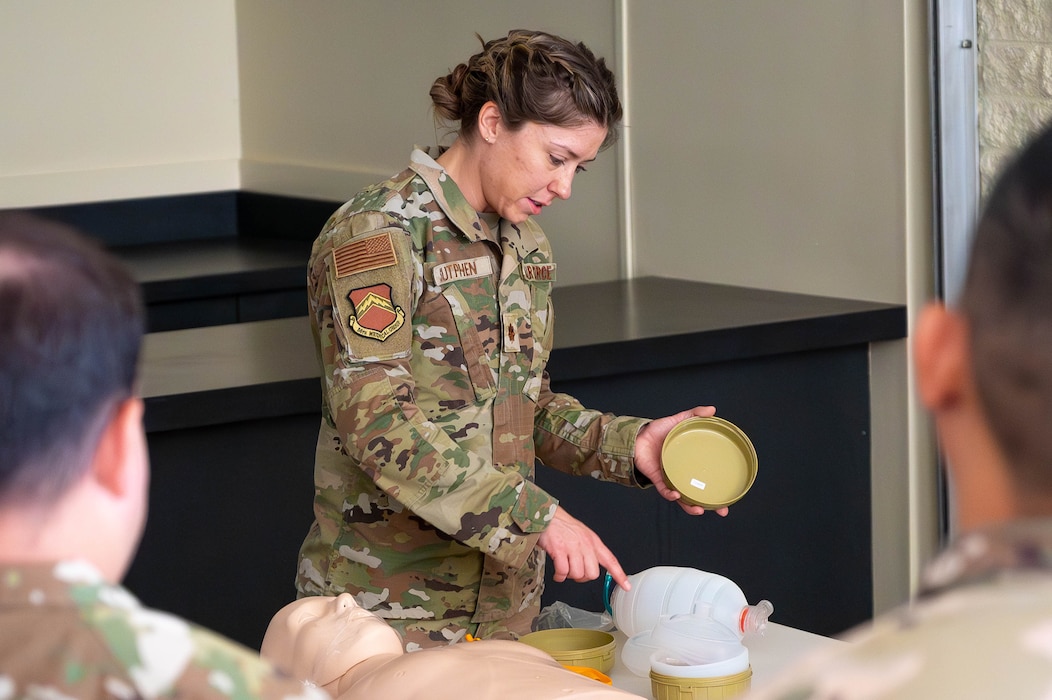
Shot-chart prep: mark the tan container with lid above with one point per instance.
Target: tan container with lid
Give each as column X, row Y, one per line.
column 666, row 687
column 710, row 461
column 575, row 647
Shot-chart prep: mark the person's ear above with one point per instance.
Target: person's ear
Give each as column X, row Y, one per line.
column 489, row 121
column 941, row 356
column 121, row 449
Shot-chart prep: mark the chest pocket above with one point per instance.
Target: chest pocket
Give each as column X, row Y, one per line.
column 541, row 318
column 472, row 305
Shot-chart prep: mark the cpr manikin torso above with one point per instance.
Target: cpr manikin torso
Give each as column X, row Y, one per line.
column 333, row 643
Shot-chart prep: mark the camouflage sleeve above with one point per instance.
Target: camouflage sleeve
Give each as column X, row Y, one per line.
column 584, row 442
column 82, row 637
column 223, row 669
column 363, row 328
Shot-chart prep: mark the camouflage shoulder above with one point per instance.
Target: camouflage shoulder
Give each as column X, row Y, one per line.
column 379, row 197
column 237, row 672
column 382, row 196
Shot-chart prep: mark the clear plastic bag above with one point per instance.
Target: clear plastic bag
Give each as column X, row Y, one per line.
column 559, row 615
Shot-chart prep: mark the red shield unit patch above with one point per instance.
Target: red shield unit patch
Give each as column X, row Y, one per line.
column 375, row 314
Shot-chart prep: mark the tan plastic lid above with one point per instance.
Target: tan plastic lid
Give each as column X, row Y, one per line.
column 710, row 461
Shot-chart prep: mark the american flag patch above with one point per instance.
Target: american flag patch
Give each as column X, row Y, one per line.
column 364, row 254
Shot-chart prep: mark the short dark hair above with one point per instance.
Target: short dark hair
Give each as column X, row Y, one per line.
column 1007, row 300
column 71, row 325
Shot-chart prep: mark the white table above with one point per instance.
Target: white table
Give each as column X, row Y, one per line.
column 777, row 649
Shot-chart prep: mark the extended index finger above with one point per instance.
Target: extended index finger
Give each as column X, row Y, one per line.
column 613, row 567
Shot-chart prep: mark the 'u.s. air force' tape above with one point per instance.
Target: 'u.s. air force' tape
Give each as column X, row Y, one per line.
column 538, row 272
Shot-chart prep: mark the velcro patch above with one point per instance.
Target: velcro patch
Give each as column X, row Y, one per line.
column 371, row 317
column 364, row 254
column 463, row 270
column 538, row 272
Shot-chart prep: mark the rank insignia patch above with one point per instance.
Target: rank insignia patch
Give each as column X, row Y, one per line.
column 375, row 314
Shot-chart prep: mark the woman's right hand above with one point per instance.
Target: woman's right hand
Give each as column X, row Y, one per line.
column 576, row 552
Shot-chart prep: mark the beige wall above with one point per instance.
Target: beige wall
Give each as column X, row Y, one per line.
column 335, row 94
column 771, row 153
column 793, row 153
column 768, row 144
column 116, row 99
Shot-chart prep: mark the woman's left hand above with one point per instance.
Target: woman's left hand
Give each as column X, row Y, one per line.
column 648, row 453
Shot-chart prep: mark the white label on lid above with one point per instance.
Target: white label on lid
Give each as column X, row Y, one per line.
column 697, row 484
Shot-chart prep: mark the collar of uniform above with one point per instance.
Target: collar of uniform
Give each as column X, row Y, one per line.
column 527, row 236
column 51, row 583
column 991, row 552
column 446, row 192
column 524, row 238
column 491, row 220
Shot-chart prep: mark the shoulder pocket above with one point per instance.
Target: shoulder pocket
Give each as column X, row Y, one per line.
column 370, row 275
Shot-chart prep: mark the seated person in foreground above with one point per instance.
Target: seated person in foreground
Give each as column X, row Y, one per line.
column 73, row 492
column 982, row 624
column 334, row 643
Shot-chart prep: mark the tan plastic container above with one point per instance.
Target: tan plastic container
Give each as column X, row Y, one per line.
column 666, row 687
column 710, row 461
column 575, row 647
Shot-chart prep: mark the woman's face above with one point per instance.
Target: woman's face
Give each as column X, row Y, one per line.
column 328, row 636
column 524, row 171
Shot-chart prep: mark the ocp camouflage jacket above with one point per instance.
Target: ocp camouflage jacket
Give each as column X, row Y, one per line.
column 433, row 328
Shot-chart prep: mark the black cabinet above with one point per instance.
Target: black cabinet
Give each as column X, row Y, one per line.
column 209, row 259
column 793, row 372
column 801, row 536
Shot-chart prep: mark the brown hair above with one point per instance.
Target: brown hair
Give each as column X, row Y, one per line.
column 531, row 77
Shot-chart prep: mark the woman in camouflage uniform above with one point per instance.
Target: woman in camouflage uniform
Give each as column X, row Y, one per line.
column 430, row 296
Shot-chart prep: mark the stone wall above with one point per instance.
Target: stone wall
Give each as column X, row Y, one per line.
column 1014, row 78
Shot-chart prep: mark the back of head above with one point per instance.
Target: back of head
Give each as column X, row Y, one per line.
column 71, row 324
column 532, row 77
column 1008, row 302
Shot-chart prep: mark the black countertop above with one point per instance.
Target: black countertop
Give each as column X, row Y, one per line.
column 182, row 270
column 223, row 374
column 659, row 323
column 220, row 374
